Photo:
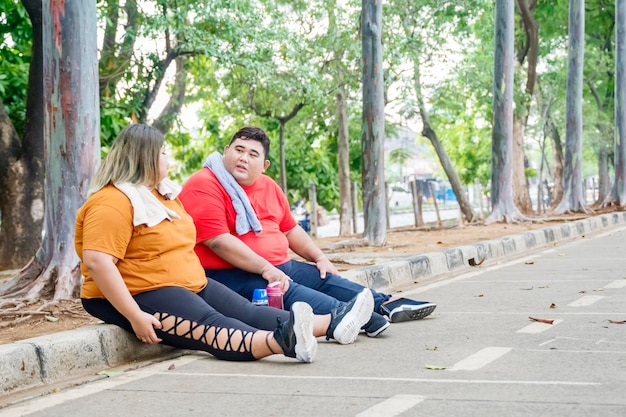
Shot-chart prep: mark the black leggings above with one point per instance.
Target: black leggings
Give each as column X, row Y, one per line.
column 194, row 321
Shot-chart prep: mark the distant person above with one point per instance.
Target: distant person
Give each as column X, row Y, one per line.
column 136, row 244
column 245, row 230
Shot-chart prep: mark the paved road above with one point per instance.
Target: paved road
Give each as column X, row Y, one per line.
column 478, row 355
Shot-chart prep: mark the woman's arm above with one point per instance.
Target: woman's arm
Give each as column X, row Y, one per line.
column 101, row 267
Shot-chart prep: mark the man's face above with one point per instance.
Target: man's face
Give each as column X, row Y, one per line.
column 245, row 160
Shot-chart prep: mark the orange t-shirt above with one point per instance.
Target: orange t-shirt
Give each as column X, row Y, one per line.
column 149, row 257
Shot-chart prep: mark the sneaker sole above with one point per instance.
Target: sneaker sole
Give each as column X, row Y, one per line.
column 306, row 343
column 378, row 331
column 348, row 329
column 418, row 312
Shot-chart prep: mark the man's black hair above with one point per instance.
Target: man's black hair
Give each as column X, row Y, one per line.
column 254, row 133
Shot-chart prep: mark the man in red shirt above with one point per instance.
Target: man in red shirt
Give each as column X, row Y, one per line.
column 245, row 229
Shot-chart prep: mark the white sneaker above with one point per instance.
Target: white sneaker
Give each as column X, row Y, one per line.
column 347, row 319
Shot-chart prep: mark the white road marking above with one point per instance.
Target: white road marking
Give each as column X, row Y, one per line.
column 479, row 359
column 55, row 399
column 385, row 379
column 620, row 283
column 393, row 406
column 587, row 300
column 538, row 327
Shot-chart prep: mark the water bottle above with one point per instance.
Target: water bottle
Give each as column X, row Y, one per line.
column 274, row 295
column 259, row 297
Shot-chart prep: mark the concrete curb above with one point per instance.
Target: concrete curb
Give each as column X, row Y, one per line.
column 60, row 357
column 401, row 272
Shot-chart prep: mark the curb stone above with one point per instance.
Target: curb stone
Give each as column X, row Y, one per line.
column 402, row 272
column 57, row 358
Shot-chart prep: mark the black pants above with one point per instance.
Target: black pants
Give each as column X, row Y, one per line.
column 190, row 321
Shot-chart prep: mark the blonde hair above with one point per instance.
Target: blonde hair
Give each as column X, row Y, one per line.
column 133, row 158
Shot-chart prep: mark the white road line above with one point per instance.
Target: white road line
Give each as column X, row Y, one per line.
column 479, row 359
column 587, row 300
column 393, row 406
column 538, row 327
column 52, row 400
column 383, row 379
column 620, row 283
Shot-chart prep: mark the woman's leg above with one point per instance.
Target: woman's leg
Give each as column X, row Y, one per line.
column 190, row 323
column 231, row 304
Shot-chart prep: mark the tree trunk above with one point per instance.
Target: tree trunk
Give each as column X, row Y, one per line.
column 557, row 151
column 521, row 196
column 373, row 127
column 444, row 159
column 283, row 165
column 115, row 58
column 343, row 144
column 21, row 165
column 573, row 199
column 165, row 120
column 618, row 192
column 530, row 50
column 71, row 134
column 604, row 183
column 503, row 207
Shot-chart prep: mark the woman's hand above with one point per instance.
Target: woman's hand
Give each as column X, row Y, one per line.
column 144, row 325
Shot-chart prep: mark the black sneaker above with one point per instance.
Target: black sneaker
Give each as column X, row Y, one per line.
column 295, row 336
column 347, row 319
column 404, row 309
column 376, row 325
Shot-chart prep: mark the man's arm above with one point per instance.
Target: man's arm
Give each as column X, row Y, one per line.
column 302, row 244
column 238, row 254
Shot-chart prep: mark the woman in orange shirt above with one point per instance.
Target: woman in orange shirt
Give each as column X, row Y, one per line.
column 136, row 242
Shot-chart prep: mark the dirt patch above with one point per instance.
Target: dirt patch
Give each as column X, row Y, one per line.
column 67, row 315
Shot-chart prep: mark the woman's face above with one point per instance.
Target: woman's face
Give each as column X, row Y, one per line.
column 163, row 163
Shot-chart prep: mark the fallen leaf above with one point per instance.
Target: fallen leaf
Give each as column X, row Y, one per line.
column 582, row 292
column 432, row 348
column 617, row 321
column 473, row 262
column 439, row 242
column 552, row 305
column 435, row 367
column 171, row 367
column 547, row 321
column 479, row 295
column 110, row 374
column 52, row 319
column 529, row 262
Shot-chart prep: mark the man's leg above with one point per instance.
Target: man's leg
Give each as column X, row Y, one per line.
column 244, row 283
column 334, row 285
column 401, row 309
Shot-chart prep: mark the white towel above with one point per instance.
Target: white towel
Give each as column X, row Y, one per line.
column 245, row 219
column 147, row 208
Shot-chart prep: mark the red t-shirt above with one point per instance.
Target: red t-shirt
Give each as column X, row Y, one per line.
column 213, row 213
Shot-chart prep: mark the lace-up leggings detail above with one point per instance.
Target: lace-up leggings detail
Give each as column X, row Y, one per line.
column 217, row 339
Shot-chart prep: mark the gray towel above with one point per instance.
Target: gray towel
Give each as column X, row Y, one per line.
column 246, row 219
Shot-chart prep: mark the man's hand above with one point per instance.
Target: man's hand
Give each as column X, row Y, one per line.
column 325, row 266
column 273, row 274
